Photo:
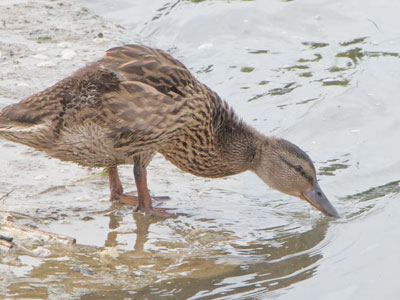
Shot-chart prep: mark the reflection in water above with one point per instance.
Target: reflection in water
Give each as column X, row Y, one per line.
column 355, row 54
column 364, row 200
column 287, row 88
column 174, row 260
column 354, row 41
column 376, row 192
column 142, row 229
column 315, row 45
column 330, row 167
column 254, row 270
column 317, row 57
column 115, row 220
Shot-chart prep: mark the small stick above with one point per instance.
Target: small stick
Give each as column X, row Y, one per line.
column 40, row 234
column 6, row 238
column 9, row 213
column 5, row 245
column 5, row 195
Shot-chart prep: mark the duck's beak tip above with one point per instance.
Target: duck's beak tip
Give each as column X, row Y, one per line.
column 318, row 199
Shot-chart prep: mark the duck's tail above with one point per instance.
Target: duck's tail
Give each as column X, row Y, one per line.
column 23, row 133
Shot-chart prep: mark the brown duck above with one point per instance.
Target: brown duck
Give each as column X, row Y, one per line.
column 137, row 101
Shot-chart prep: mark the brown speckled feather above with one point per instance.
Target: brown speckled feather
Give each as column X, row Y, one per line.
column 135, row 101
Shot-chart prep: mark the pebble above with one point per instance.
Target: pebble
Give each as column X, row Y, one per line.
column 68, row 54
column 82, row 198
column 111, row 252
column 64, row 45
column 206, row 46
column 42, row 252
column 83, row 271
column 41, row 56
column 98, row 40
column 46, row 64
column 22, row 84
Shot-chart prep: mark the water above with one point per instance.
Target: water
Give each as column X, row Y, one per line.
column 322, row 74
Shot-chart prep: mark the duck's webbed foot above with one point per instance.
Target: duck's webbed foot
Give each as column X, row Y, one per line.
column 145, row 200
column 134, row 194
column 131, row 198
column 156, row 212
column 141, row 199
column 128, row 199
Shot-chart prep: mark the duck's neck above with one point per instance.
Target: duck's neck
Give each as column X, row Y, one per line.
column 237, row 144
column 224, row 147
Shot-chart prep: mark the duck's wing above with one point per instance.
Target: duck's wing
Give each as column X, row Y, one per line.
column 138, row 116
column 158, row 95
column 153, row 67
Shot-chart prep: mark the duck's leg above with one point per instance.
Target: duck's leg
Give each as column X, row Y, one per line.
column 116, row 190
column 145, row 205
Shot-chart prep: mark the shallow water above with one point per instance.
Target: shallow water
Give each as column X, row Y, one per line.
column 322, row 74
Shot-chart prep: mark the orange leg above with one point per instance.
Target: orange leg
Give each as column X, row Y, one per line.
column 116, row 190
column 143, row 201
column 145, row 204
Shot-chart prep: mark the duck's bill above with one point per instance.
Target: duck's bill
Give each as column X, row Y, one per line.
column 318, row 199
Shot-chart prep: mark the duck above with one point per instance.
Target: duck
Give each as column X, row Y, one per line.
column 137, row 101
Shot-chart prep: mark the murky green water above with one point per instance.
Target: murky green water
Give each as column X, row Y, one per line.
column 323, row 74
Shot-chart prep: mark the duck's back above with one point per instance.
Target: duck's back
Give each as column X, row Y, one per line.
column 153, row 67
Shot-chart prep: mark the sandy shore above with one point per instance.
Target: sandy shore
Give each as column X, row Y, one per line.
column 43, row 41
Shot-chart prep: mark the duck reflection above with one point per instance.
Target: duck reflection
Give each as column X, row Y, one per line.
column 142, row 229
column 254, row 269
column 258, row 269
column 225, row 271
column 115, row 221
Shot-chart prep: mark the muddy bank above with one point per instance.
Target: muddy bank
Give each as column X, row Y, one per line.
column 44, row 41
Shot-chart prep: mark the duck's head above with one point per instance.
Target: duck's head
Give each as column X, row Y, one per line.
column 286, row 168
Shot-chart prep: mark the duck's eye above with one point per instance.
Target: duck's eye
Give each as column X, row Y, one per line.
column 298, row 168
